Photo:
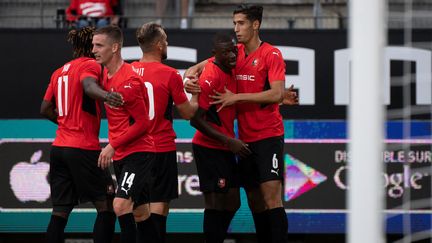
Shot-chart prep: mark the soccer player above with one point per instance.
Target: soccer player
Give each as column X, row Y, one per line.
column 74, row 174
column 164, row 86
column 214, row 144
column 260, row 77
column 130, row 144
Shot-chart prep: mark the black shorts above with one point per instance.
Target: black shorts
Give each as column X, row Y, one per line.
column 217, row 169
column 134, row 179
column 165, row 177
column 76, row 178
column 264, row 164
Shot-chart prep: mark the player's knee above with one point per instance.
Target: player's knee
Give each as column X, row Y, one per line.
column 141, row 213
column 273, row 201
column 257, row 206
column 122, row 206
column 232, row 202
column 256, row 201
column 103, row 206
column 161, row 208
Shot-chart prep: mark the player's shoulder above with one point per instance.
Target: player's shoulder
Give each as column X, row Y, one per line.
column 130, row 74
column 85, row 61
column 136, row 64
column 210, row 71
column 166, row 68
column 269, row 49
column 65, row 68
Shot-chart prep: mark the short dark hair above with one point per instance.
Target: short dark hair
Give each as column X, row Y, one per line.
column 147, row 35
column 222, row 37
column 112, row 31
column 81, row 41
column 252, row 12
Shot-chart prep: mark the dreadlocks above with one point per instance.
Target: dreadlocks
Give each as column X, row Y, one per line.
column 81, row 41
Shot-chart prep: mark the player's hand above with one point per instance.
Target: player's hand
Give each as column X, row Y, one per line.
column 224, row 99
column 105, row 157
column 114, row 99
column 238, row 147
column 191, row 85
column 290, row 97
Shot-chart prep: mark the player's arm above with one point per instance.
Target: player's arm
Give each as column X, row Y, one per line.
column 187, row 109
column 195, row 69
column 47, row 108
column 270, row 96
column 48, row 111
column 275, row 75
column 190, row 77
column 92, row 89
column 235, row 145
column 290, row 96
column 135, row 105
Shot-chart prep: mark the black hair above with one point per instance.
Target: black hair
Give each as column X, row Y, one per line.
column 222, row 37
column 81, row 41
column 252, row 12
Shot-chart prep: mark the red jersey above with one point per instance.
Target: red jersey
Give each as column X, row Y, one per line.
column 164, row 86
column 90, row 8
column 128, row 125
column 253, row 74
column 78, row 114
column 213, row 78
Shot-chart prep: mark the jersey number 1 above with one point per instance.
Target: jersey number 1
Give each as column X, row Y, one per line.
column 150, row 95
column 62, row 102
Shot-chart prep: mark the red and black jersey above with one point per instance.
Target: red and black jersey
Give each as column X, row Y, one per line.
column 129, row 124
column 78, row 114
column 164, row 86
column 253, row 74
column 211, row 79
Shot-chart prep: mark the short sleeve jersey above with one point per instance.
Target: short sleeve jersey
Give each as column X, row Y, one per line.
column 121, row 133
column 78, row 114
column 213, row 78
column 254, row 73
column 164, row 86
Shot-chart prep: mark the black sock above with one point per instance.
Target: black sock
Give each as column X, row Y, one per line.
column 104, row 226
column 55, row 230
column 215, row 226
column 279, row 225
column 146, row 232
column 262, row 226
column 159, row 222
column 128, row 228
column 227, row 218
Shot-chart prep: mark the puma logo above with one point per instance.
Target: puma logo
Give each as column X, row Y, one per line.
column 208, row 82
column 128, row 86
column 125, row 190
column 275, row 171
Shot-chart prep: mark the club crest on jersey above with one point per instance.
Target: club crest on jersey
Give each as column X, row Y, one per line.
column 255, row 62
column 221, row 182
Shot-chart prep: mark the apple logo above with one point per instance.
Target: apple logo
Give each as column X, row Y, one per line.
column 28, row 180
